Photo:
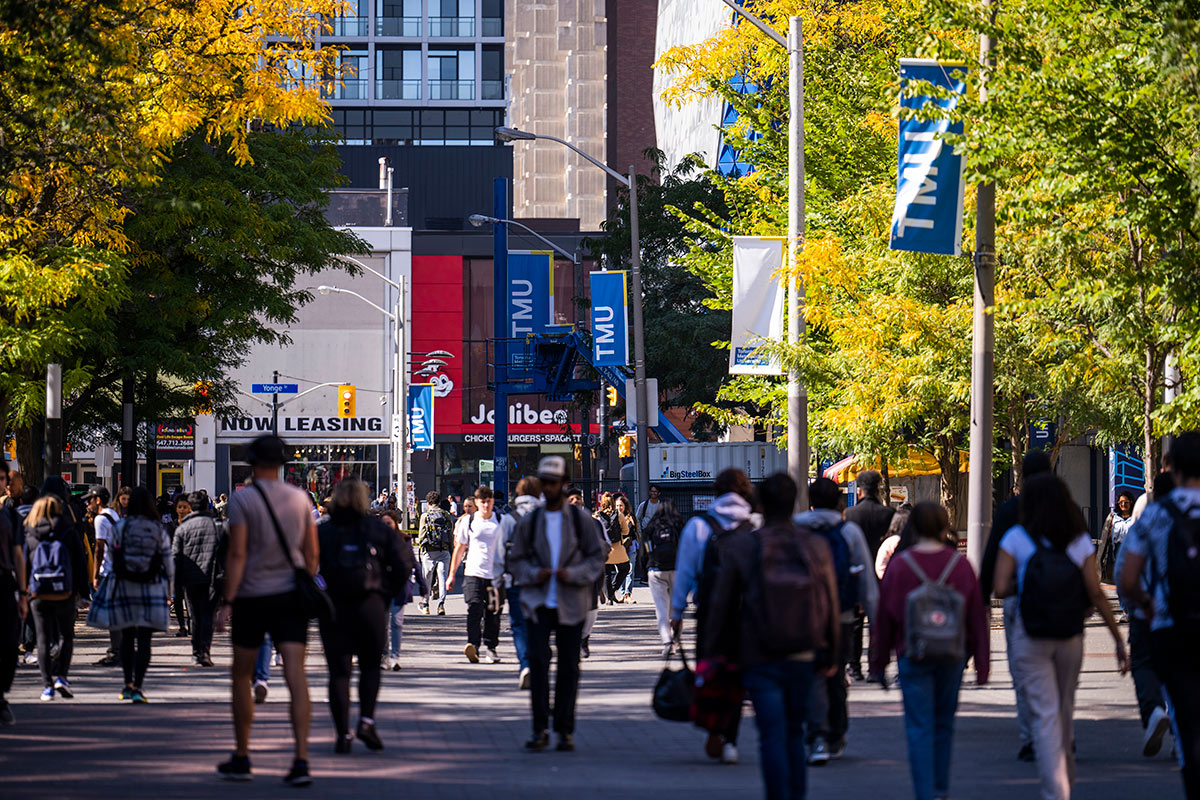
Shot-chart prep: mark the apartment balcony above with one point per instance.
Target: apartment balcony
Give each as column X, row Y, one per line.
column 398, row 26
column 350, row 26
column 442, row 27
column 492, row 90
column 398, row 89
column 350, row 89
column 452, row 90
column 492, row 26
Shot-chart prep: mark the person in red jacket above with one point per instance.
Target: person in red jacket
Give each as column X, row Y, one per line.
column 930, row 689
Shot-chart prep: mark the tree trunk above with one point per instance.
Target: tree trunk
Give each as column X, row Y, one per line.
column 948, row 465
column 29, row 453
column 887, row 480
column 1016, row 444
column 1149, row 398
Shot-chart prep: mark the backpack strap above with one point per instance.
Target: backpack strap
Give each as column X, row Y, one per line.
column 912, row 564
column 954, row 557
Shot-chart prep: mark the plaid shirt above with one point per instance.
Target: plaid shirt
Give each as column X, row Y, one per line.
column 126, row 604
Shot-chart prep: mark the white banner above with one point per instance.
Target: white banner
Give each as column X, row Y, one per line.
column 757, row 304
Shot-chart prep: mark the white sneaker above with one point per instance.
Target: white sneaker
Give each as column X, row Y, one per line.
column 523, row 681
column 490, row 655
column 1156, row 729
column 818, row 754
column 729, row 754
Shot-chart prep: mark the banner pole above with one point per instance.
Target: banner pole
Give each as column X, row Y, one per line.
column 797, row 420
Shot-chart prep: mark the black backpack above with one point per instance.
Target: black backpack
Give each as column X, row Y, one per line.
column 356, row 568
column 437, row 531
column 136, row 554
column 663, row 542
column 1054, row 598
column 847, row 575
column 712, row 558
column 794, row 606
column 1183, row 569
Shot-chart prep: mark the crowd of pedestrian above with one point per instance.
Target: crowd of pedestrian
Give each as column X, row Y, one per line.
column 782, row 602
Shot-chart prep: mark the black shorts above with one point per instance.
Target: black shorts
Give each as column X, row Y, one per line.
column 276, row 614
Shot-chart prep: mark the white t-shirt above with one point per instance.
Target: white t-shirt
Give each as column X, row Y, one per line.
column 483, row 538
column 554, row 526
column 1019, row 544
column 104, row 524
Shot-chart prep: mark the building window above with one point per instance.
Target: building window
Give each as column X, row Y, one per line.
column 430, row 126
column 492, row 73
column 399, row 73
column 492, row 22
column 451, row 74
column 352, row 84
column 398, row 18
column 353, row 21
column 451, row 18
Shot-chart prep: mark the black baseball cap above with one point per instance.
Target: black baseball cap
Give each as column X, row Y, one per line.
column 100, row 492
column 267, row 451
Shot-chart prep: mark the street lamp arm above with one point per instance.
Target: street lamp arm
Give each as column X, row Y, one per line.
column 373, row 271
column 758, row 23
column 480, row 219
column 380, row 309
column 283, row 403
column 527, row 135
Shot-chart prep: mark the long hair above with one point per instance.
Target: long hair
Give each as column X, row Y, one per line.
column 1048, row 512
column 44, row 508
column 350, row 497
column 667, row 518
column 606, row 503
column 141, row 504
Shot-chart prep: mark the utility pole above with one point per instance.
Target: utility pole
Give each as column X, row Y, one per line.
column 979, row 492
column 275, row 405
column 641, row 401
column 129, row 465
column 500, row 331
column 796, row 392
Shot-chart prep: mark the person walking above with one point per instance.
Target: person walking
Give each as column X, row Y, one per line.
column 873, row 516
column 435, row 540
column 529, row 491
column 628, row 526
column 195, row 549
column 931, row 659
column 1049, row 562
column 616, row 564
column 662, row 544
column 1116, row 525
column 135, row 597
column 774, row 612
column 364, row 566
column 272, row 535
column 56, row 574
column 1165, row 545
column 857, row 593
column 480, row 541
column 697, row 564
column 415, row 585
column 108, row 514
column 649, row 507
column 14, row 596
column 556, row 559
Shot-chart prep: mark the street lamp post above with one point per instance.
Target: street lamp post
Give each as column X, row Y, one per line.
column 639, row 334
column 399, row 379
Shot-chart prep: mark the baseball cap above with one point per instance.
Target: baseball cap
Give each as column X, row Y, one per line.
column 267, row 450
column 553, row 468
column 100, row 492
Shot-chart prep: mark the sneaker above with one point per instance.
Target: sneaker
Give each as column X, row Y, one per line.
column 523, row 681
column 182, row 633
column 423, row 608
column 109, row 660
column 126, row 694
column 818, row 754
column 729, row 753
column 714, row 745
column 837, row 749
column 7, row 718
column 63, row 688
column 396, row 664
column 1156, row 729
column 856, row 674
column 441, row 611
column 48, row 693
column 1026, row 753
column 367, row 734
column 298, row 776
column 584, row 649
column 472, row 653
column 260, row 693
column 491, row 656
column 205, row 660
column 566, row 743
column 138, row 697
column 344, row 744
column 538, row 742
column 237, row 768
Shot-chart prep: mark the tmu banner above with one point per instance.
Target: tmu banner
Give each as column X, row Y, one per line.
column 420, row 416
column 928, row 216
column 610, row 322
column 530, row 304
column 757, row 304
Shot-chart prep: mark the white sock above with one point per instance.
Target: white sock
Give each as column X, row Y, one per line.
column 367, row 721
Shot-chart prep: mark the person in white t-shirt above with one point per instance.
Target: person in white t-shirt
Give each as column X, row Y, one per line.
column 107, row 516
column 1047, row 651
column 480, row 541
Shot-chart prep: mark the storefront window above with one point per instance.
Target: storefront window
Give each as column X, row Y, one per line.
column 318, row 468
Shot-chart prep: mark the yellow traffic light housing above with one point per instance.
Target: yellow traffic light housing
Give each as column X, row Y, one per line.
column 625, row 446
column 346, row 400
column 612, row 396
column 203, row 397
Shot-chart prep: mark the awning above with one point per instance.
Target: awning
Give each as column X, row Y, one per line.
column 914, row 464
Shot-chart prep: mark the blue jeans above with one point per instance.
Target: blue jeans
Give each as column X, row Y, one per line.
column 396, row 626
column 516, row 620
column 262, row 665
column 627, row 584
column 779, row 691
column 930, row 700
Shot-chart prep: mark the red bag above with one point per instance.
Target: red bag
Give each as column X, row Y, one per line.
column 718, row 695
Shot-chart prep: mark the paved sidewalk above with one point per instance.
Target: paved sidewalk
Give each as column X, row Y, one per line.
column 454, row 730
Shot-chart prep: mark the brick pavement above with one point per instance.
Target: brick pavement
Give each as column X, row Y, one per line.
column 454, row 730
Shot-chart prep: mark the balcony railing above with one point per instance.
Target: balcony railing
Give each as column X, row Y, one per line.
column 390, row 89
column 493, row 26
column 451, row 26
column 492, row 90
column 350, row 26
column 351, row 89
column 452, row 90
column 398, row 26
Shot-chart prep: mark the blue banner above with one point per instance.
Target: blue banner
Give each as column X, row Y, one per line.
column 928, row 216
column 420, row 416
column 610, row 321
column 530, row 305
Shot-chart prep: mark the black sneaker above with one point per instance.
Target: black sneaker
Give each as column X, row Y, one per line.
column 566, row 743
column 237, row 768
column 344, row 744
column 584, row 649
column 538, row 742
column 299, row 775
column 369, row 736
column 7, row 717
column 109, row 660
column 1026, row 753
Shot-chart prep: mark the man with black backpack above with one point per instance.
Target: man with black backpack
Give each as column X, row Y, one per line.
column 1165, row 544
column 435, row 540
column 857, row 595
column 697, row 563
column 774, row 611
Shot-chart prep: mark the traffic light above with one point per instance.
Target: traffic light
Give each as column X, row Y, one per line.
column 625, row 446
column 346, row 400
column 579, row 452
column 203, row 397
column 612, row 396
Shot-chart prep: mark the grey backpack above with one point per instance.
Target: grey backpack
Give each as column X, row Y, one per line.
column 935, row 626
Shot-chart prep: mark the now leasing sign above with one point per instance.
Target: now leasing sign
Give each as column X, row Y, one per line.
column 610, row 321
column 928, row 216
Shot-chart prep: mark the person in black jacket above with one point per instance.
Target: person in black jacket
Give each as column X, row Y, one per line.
column 874, row 517
column 364, row 566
